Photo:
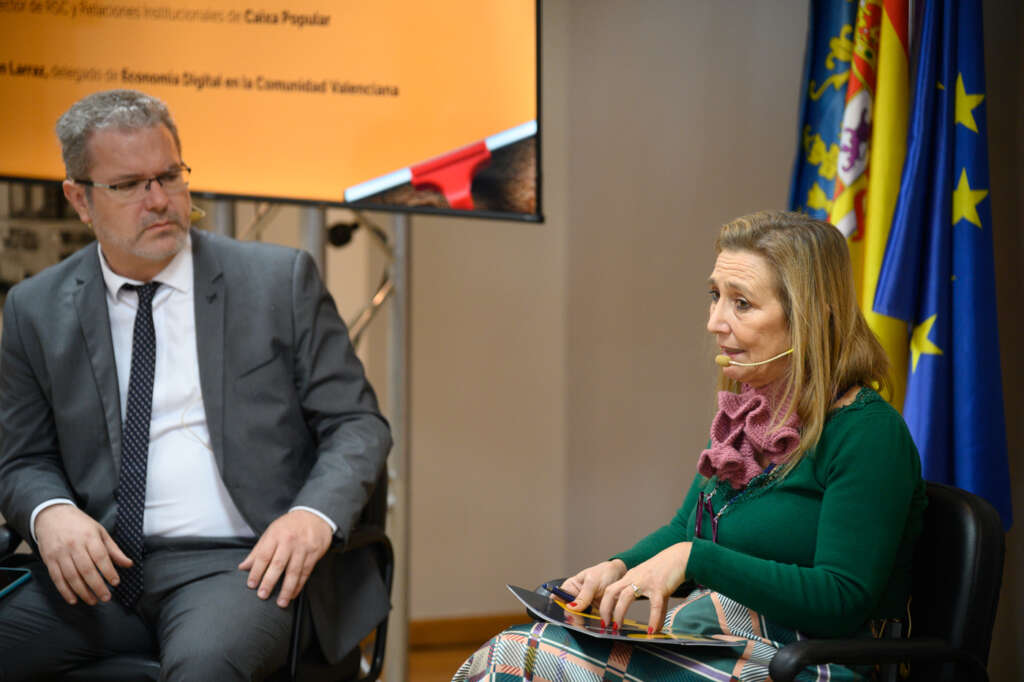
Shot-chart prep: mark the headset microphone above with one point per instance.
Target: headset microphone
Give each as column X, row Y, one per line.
column 724, row 360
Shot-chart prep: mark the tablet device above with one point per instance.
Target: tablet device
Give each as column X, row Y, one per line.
column 550, row 607
column 10, row 578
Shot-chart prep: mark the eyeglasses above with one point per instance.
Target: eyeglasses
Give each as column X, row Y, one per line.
column 128, row 191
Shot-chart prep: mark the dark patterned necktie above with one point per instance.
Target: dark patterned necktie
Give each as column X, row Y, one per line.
column 131, row 484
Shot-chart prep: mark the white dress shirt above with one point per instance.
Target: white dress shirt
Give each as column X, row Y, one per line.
column 185, row 495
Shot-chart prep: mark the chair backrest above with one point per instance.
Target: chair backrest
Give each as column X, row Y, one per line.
column 958, row 569
column 375, row 513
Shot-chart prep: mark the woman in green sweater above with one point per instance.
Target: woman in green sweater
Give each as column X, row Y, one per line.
column 807, row 502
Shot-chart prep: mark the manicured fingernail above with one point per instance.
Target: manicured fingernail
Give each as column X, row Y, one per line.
column 251, row 583
column 650, row 631
column 263, row 594
column 602, row 623
column 572, row 604
column 282, row 603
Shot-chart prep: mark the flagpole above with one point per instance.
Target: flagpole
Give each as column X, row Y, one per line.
column 396, row 659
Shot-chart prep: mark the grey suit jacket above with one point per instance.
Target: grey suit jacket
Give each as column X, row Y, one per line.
column 291, row 417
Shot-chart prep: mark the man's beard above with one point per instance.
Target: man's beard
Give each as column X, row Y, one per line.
column 140, row 247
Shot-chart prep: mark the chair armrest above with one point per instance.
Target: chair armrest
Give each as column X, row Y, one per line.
column 363, row 536
column 9, row 541
column 796, row 656
column 372, row 535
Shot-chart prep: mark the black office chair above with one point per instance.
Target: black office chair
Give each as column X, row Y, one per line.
column 958, row 568
column 305, row 664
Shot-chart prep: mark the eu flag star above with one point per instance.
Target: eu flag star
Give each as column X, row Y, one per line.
column 966, row 200
column 920, row 343
column 965, row 105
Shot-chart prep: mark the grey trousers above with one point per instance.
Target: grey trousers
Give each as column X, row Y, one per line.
column 196, row 613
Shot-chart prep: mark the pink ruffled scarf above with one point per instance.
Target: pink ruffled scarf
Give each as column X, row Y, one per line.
column 741, row 431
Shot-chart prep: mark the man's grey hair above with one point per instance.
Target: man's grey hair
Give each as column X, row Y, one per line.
column 117, row 109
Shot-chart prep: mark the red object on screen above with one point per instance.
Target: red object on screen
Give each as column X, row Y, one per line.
column 452, row 173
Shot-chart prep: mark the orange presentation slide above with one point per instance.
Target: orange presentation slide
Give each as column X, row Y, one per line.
column 333, row 101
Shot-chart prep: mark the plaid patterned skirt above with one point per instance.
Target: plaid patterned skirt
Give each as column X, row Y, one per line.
column 548, row 653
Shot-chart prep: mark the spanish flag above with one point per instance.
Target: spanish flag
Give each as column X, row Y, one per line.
column 871, row 139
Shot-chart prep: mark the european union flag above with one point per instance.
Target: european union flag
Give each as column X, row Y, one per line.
column 826, row 75
column 938, row 272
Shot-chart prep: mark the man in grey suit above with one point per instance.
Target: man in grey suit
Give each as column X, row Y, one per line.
column 260, row 438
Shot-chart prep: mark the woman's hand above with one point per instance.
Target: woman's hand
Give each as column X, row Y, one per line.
column 590, row 583
column 657, row 578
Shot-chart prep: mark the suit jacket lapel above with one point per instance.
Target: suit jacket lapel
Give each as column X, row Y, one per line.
column 89, row 297
column 209, row 309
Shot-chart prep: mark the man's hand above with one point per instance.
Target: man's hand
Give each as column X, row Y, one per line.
column 79, row 554
column 291, row 546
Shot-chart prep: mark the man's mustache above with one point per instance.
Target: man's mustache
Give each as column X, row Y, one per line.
column 168, row 217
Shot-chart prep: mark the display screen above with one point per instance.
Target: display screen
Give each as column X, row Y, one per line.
column 393, row 104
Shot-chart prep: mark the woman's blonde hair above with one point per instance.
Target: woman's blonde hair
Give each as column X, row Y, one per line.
column 833, row 347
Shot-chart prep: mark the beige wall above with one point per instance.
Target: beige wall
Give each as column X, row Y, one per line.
column 684, row 116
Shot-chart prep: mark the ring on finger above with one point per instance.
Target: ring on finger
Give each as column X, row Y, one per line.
column 637, row 592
